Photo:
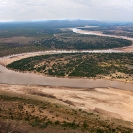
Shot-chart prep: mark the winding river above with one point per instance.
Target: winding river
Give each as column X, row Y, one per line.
column 76, row 30
column 12, row 77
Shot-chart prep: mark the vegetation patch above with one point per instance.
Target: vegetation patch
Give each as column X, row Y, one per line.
column 113, row 65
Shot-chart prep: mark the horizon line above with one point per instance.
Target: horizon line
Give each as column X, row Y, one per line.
column 38, row 20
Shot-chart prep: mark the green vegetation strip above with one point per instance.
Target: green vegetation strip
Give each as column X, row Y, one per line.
column 78, row 64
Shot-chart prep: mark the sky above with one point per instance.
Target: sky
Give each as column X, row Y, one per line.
column 102, row 10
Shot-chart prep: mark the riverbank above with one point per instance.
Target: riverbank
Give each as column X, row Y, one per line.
column 109, row 102
column 12, row 77
column 9, row 59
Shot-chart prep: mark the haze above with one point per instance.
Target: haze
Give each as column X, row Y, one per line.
column 103, row 10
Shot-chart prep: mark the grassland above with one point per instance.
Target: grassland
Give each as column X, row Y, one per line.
column 111, row 65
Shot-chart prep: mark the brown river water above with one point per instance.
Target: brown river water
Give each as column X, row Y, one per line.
column 12, row 77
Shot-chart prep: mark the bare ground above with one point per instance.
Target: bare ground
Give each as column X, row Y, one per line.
column 6, row 61
column 109, row 102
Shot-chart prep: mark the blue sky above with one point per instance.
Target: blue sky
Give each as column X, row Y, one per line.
column 110, row 10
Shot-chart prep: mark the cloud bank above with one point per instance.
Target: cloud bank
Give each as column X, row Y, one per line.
column 111, row 10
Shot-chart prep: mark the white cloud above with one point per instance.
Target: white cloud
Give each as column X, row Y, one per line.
column 57, row 9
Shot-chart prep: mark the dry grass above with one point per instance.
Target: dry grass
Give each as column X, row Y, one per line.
column 20, row 40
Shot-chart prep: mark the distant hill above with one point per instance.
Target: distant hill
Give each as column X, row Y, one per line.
column 49, row 23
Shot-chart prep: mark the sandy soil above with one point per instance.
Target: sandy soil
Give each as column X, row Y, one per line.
column 6, row 61
column 20, row 39
column 110, row 102
column 98, row 33
column 11, row 58
column 126, row 49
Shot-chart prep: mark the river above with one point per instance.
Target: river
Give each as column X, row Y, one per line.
column 12, row 77
column 79, row 31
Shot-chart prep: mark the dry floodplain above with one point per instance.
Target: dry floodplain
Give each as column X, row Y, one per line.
column 109, row 102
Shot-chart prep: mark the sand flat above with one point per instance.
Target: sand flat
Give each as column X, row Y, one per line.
column 109, row 102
